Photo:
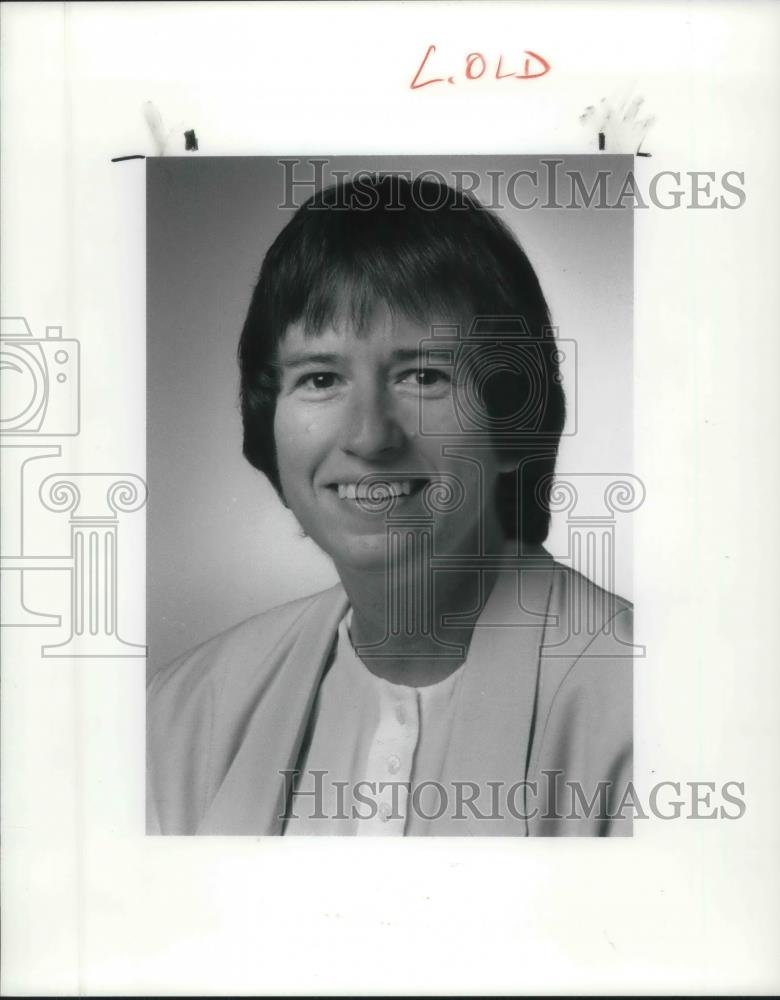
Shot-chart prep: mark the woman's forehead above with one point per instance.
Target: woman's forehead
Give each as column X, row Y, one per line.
column 384, row 335
column 384, row 330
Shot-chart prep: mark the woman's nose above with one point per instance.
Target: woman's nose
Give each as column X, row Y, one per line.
column 370, row 428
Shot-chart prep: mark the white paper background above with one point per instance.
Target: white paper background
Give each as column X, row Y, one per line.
column 92, row 906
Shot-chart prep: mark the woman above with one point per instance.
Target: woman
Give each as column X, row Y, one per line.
column 401, row 390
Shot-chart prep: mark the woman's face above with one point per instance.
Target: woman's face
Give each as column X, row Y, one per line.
column 351, row 407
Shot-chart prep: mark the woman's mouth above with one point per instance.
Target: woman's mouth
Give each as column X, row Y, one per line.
column 378, row 490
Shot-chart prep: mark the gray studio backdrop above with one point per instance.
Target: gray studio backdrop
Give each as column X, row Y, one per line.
column 220, row 547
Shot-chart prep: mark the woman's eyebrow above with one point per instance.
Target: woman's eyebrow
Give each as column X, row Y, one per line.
column 406, row 354
column 298, row 359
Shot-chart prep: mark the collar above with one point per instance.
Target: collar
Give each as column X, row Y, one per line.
column 491, row 735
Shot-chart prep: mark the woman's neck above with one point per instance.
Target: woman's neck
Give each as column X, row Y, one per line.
column 402, row 621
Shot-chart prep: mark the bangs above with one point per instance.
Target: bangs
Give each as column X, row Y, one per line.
column 349, row 299
column 333, row 267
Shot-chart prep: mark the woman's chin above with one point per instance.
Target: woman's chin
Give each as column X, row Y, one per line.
column 367, row 557
column 369, row 554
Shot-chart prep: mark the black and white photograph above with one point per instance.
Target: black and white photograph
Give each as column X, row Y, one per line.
column 403, row 388
column 389, row 541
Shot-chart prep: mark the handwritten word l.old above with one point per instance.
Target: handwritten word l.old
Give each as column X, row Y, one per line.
column 475, row 66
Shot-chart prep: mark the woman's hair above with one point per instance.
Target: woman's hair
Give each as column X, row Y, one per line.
column 427, row 252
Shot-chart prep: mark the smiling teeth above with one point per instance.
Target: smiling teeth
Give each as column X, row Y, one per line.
column 374, row 491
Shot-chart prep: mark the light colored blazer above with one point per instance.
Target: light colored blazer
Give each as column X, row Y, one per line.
column 546, row 699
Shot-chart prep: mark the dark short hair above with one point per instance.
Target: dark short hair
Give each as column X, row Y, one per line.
column 424, row 250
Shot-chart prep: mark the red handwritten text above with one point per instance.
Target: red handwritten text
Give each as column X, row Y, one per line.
column 476, row 67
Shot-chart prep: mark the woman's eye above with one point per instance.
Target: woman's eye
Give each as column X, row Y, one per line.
column 319, row 380
column 425, row 378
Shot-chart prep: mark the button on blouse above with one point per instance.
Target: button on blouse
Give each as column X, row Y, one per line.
column 374, row 741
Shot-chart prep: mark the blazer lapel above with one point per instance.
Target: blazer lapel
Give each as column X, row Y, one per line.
column 494, row 723
column 251, row 797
